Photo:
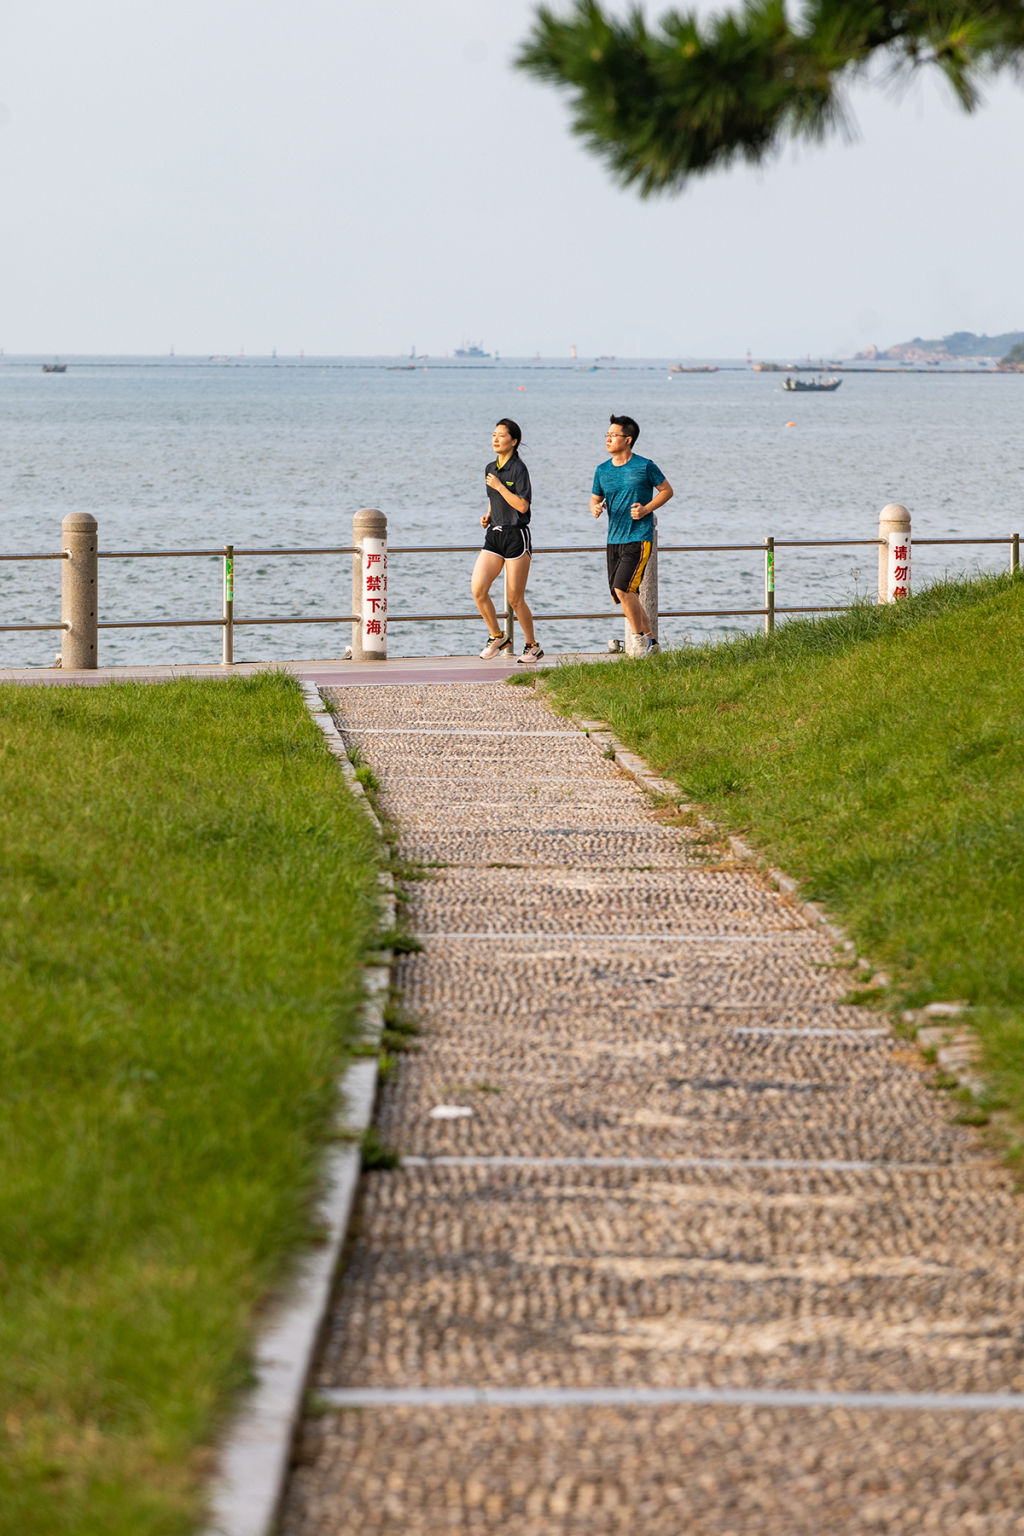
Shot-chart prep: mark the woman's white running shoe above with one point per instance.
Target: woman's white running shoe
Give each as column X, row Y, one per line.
column 530, row 654
column 494, row 647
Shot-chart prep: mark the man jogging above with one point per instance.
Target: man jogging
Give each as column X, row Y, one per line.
column 631, row 489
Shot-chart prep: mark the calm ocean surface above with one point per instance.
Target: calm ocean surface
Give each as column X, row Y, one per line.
column 187, row 453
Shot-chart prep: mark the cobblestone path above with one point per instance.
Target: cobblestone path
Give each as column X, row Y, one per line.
column 705, row 1257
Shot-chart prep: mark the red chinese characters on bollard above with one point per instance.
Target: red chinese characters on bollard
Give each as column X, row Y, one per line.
column 899, row 569
column 375, row 596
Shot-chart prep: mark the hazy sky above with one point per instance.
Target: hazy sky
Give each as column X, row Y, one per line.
column 210, row 175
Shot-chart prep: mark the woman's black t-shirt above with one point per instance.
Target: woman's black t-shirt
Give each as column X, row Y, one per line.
column 514, row 474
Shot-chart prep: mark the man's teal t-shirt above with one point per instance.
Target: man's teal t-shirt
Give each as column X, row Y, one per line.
column 621, row 485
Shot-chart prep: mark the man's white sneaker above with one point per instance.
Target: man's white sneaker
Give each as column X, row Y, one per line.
column 531, row 653
column 494, row 647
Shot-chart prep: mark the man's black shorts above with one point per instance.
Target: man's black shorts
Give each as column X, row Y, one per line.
column 509, row 543
column 626, row 566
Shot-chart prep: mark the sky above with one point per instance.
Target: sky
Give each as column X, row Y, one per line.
column 342, row 179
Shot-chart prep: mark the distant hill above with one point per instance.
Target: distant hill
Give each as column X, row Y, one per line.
column 960, row 346
column 1014, row 359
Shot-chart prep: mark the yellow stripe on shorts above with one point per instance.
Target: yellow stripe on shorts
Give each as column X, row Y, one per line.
column 638, row 574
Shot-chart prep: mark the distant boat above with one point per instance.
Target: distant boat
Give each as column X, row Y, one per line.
column 55, row 367
column 703, row 368
column 471, row 350
column 811, row 386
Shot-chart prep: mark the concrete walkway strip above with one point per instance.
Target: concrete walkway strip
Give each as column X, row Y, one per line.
column 848, row 1035
column 394, row 775
column 437, row 730
column 655, row 1397
column 544, row 935
column 791, row 1164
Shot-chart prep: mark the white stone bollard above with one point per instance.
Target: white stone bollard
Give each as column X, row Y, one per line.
column 370, row 585
column 893, row 553
column 648, row 595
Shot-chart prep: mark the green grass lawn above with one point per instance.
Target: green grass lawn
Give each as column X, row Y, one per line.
column 878, row 757
column 186, row 893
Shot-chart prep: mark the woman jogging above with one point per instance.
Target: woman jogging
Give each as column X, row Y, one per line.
column 506, row 542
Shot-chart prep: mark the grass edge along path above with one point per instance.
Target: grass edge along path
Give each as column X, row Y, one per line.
column 187, row 892
column 876, row 756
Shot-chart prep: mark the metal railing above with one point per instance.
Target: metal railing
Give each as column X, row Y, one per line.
column 228, row 620
column 767, row 548
column 60, row 554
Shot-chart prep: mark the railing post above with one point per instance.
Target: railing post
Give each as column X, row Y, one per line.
column 78, row 600
column 1015, row 554
column 370, row 585
column 509, row 625
column 648, row 595
column 893, row 553
column 769, row 585
column 227, row 654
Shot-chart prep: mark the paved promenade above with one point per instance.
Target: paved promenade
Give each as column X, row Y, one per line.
column 326, row 673
column 681, row 1245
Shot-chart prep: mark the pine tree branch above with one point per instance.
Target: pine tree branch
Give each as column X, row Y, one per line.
column 689, row 96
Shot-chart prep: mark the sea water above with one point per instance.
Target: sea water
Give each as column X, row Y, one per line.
column 179, row 453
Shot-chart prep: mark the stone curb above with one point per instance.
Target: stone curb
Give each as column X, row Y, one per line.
column 663, row 788
column 254, row 1458
column 956, row 1049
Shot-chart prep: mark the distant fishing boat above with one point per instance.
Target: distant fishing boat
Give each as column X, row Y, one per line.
column 701, row 368
column 55, row 367
column 811, row 386
column 471, row 350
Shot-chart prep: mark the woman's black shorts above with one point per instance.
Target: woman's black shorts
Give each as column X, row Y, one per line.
column 509, row 543
column 626, row 566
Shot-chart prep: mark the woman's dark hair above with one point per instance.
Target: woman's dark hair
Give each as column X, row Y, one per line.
column 511, row 427
column 629, row 427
